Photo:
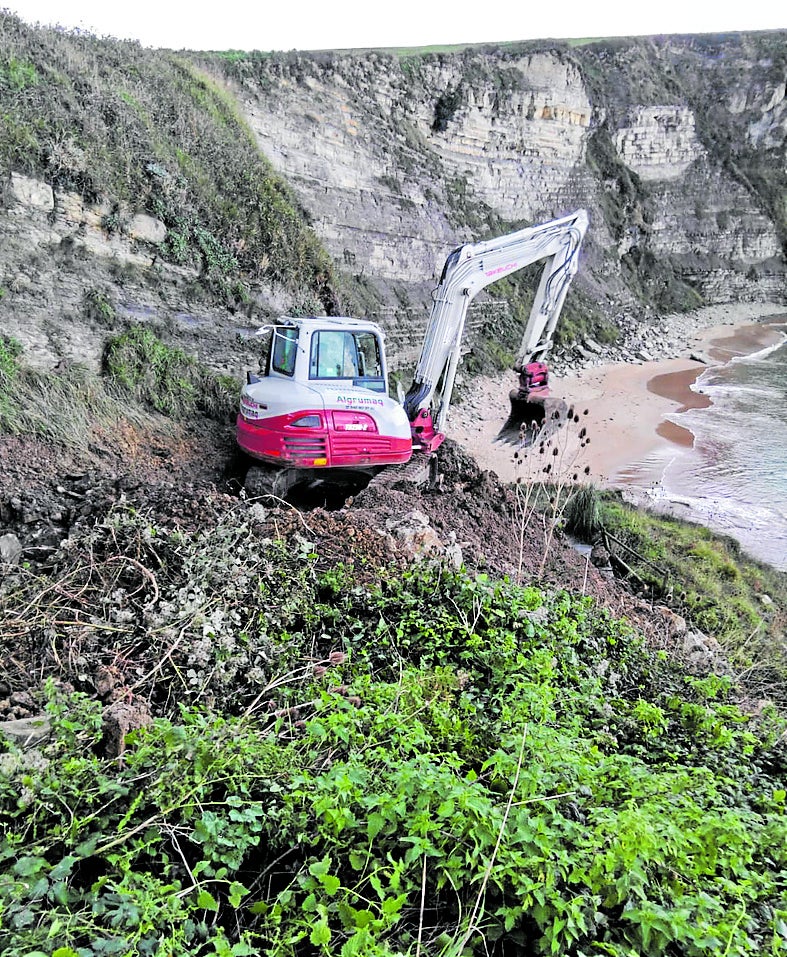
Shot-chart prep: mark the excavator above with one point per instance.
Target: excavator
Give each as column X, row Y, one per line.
column 319, row 411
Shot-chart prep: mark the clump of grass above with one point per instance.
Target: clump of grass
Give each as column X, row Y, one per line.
column 10, row 350
column 98, row 307
column 707, row 578
column 582, row 513
column 63, row 407
column 165, row 378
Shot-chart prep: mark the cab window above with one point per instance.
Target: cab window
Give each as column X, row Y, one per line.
column 333, row 355
column 285, row 350
column 369, row 358
column 347, row 355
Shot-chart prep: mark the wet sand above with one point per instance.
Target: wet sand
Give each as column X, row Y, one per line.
column 621, row 407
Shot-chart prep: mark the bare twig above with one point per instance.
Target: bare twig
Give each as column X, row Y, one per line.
column 421, row 913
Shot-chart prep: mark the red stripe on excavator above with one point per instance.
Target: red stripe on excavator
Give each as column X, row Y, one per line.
column 276, row 438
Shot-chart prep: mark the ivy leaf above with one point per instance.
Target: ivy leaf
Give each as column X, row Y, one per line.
column 320, row 868
column 27, row 866
column 63, row 869
column 242, row 949
column 392, row 905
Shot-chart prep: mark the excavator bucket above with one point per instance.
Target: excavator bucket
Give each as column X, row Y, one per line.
column 532, row 417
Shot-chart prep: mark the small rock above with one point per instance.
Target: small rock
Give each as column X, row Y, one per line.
column 23, row 699
column 453, row 555
column 10, row 549
column 700, row 649
column 415, row 533
column 147, row 229
column 25, row 731
column 676, row 624
column 32, row 192
column 119, row 718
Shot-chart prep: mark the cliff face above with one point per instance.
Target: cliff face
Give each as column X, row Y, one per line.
column 664, row 143
column 676, row 146
column 399, row 161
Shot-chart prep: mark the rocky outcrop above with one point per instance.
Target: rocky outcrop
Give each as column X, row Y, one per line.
column 659, row 142
column 676, row 147
column 60, row 254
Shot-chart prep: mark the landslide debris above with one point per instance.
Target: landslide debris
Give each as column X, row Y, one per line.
column 103, row 597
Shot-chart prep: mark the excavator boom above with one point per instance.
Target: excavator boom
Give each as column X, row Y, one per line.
column 468, row 270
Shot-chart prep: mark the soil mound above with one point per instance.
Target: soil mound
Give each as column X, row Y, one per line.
column 81, row 596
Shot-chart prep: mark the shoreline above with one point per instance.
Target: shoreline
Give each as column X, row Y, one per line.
column 622, row 405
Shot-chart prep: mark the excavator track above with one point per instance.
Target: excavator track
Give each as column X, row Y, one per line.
column 419, row 471
column 262, row 480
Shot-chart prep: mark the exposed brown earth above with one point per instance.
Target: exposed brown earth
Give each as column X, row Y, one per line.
column 183, row 478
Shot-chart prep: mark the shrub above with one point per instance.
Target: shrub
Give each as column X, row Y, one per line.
column 165, row 378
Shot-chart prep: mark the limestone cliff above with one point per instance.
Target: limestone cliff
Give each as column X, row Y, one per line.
column 396, row 157
column 677, row 146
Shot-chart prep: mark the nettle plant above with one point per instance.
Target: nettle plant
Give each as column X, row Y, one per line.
column 435, row 764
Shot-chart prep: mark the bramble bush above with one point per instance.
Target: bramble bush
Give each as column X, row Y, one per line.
column 434, row 764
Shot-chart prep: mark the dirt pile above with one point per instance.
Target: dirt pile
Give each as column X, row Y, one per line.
column 97, row 596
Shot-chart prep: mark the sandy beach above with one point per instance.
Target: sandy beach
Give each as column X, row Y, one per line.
column 621, row 407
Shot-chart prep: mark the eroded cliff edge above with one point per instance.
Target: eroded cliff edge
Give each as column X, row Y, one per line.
column 383, row 161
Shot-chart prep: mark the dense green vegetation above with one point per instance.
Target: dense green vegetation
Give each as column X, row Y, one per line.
column 705, row 576
column 165, row 378
column 430, row 763
column 136, row 129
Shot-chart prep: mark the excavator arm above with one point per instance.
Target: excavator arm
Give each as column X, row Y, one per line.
column 468, row 270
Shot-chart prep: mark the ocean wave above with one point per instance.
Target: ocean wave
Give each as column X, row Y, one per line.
column 718, row 391
column 762, row 355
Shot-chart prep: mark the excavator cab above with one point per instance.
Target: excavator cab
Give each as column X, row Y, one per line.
column 320, row 409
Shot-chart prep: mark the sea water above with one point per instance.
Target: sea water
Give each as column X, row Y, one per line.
column 734, row 477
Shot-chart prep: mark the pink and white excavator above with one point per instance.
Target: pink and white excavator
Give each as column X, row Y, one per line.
column 319, row 411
